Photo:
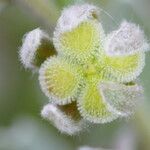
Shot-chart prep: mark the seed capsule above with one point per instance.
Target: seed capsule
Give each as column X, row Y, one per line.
column 128, row 39
column 36, row 47
column 58, row 115
column 92, row 107
column 120, row 98
column 60, row 80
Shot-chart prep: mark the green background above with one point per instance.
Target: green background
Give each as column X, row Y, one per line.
column 21, row 127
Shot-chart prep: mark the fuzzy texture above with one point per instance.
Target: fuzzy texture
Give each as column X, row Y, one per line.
column 72, row 16
column 77, row 44
column 92, row 107
column 96, row 72
column 59, row 80
column 121, row 99
column 123, row 68
column 128, row 39
column 33, row 42
column 65, row 124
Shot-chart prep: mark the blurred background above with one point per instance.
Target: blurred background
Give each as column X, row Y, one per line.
column 21, row 127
